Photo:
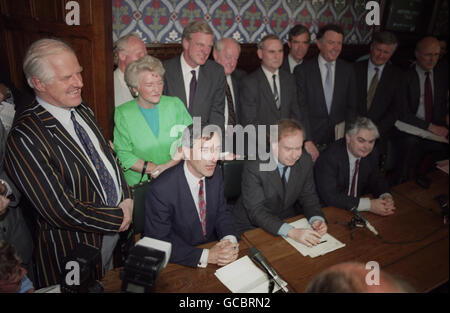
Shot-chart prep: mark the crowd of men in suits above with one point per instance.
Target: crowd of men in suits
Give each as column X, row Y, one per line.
column 57, row 156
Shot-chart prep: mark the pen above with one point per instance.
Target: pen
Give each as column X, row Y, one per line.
column 322, row 242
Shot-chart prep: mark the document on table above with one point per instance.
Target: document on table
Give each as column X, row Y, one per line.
column 244, row 276
column 331, row 243
column 413, row 130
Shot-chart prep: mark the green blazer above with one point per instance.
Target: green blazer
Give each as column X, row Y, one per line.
column 134, row 140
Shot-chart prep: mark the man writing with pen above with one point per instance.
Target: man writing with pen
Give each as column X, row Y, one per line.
column 269, row 197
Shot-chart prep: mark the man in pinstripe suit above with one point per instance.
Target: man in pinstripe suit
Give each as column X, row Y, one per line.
column 51, row 152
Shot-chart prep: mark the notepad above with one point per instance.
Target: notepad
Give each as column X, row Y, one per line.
column 330, row 245
column 243, row 276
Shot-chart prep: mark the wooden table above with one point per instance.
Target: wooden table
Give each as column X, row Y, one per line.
column 424, row 264
column 180, row 279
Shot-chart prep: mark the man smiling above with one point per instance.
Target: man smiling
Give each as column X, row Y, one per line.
column 348, row 168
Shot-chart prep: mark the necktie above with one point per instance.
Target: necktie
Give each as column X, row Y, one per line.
column 355, row 174
column 105, row 177
column 231, row 113
column 372, row 88
column 192, row 88
column 276, row 96
column 428, row 98
column 328, row 90
column 283, row 178
column 202, row 206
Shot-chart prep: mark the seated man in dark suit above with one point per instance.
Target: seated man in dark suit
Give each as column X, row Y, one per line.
column 298, row 42
column 186, row 206
column 377, row 85
column 425, row 106
column 270, row 196
column 197, row 81
column 348, row 168
column 269, row 94
column 326, row 87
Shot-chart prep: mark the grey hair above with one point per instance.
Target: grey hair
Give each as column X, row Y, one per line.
column 267, row 37
column 362, row 123
column 145, row 64
column 218, row 46
column 386, row 38
column 35, row 63
column 121, row 45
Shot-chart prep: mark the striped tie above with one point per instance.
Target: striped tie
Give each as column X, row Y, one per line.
column 105, row 177
column 202, row 206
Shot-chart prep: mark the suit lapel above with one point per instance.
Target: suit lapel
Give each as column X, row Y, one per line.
column 283, row 92
column 178, row 81
column 267, row 90
column 318, row 78
column 275, row 180
column 345, row 165
column 364, row 79
column 202, row 85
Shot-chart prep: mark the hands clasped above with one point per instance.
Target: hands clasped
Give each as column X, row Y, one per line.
column 223, row 253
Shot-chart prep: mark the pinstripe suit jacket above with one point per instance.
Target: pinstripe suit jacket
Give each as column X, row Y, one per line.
column 53, row 173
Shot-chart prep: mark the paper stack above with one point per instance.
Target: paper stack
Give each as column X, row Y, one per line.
column 331, row 243
column 244, row 276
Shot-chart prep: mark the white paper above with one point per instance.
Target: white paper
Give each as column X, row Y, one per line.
column 443, row 165
column 416, row 131
column 243, row 276
column 7, row 113
column 331, row 243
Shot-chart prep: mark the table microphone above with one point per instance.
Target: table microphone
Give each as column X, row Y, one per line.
column 366, row 222
column 261, row 260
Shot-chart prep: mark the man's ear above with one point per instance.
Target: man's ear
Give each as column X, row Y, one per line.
column 122, row 55
column 38, row 84
column 259, row 52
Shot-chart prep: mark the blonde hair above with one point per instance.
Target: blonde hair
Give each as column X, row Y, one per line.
column 199, row 26
column 145, row 64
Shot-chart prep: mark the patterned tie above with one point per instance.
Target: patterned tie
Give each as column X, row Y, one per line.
column 202, row 206
column 355, row 173
column 428, row 98
column 192, row 88
column 231, row 113
column 105, row 177
column 276, row 96
column 372, row 88
column 328, row 90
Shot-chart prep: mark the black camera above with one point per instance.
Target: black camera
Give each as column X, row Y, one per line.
column 143, row 265
column 81, row 267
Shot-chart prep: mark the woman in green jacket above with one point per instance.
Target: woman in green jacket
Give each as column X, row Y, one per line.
column 148, row 129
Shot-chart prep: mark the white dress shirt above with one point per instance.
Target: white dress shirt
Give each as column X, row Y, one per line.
column 122, row 93
column 187, row 76
column 193, row 183
column 293, row 63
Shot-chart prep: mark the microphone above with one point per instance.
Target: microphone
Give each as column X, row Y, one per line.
column 368, row 225
column 261, row 260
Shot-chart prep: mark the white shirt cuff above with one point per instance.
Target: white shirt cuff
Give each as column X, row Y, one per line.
column 364, row 204
column 203, row 259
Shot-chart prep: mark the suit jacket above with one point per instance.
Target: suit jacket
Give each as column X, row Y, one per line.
column 332, row 174
column 258, row 102
column 411, row 94
column 54, row 174
column 261, row 202
column 236, row 80
column 386, row 103
column 285, row 64
column 312, row 99
column 171, row 214
column 209, row 100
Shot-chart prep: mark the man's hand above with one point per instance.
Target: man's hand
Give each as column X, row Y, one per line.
column 157, row 170
column 305, row 236
column 127, row 208
column 438, row 130
column 382, row 207
column 320, row 227
column 4, row 203
column 223, row 253
column 311, row 148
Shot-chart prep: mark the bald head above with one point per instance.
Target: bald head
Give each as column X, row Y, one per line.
column 350, row 277
column 427, row 53
column 226, row 53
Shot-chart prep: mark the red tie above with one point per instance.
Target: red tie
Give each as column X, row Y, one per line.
column 355, row 173
column 428, row 98
column 202, row 206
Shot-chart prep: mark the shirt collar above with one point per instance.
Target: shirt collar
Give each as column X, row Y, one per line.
column 59, row 113
column 191, row 178
column 422, row 72
column 269, row 74
column 372, row 66
column 292, row 61
column 323, row 62
column 186, row 68
column 351, row 157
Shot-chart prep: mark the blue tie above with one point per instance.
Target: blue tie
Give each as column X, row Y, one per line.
column 105, row 177
column 328, row 88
